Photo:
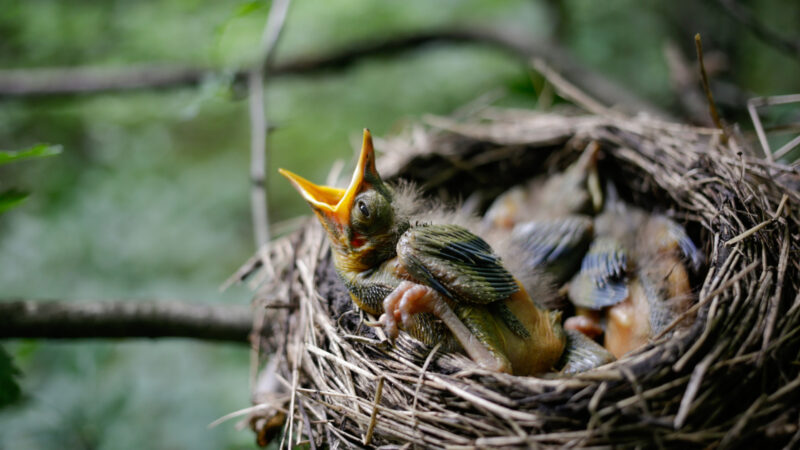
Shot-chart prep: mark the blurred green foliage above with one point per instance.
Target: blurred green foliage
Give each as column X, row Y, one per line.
column 12, row 197
column 37, row 151
column 150, row 198
column 9, row 387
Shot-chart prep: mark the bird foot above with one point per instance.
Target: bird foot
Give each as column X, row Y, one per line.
column 410, row 298
column 406, row 300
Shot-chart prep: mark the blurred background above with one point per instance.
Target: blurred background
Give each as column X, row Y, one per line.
column 149, row 199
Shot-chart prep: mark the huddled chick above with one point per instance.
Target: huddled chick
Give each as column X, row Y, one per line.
column 624, row 269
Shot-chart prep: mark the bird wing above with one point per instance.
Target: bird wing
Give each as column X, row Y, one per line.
column 555, row 246
column 601, row 281
column 585, row 293
column 456, row 263
column 606, row 260
column 547, row 241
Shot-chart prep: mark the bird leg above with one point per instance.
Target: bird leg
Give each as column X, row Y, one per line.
column 411, row 298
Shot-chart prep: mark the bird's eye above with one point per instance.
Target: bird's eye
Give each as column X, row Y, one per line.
column 363, row 208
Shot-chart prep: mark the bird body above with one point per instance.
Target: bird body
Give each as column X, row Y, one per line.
column 439, row 282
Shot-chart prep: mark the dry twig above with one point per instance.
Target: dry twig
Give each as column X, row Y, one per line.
column 761, row 31
column 259, row 127
column 712, row 107
column 85, row 81
column 68, row 320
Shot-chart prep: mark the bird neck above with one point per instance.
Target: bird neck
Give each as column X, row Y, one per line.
column 372, row 253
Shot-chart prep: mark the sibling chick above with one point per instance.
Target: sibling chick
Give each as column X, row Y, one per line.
column 549, row 218
column 634, row 268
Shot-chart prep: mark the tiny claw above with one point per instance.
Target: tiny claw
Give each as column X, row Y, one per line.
column 389, row 324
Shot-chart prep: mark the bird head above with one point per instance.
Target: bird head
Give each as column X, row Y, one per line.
column 580, row 183
column 359, row 220
column 577, row 189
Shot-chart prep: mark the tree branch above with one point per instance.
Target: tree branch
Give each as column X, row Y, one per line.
column 66, row 81
column 259, row 127
column 742, row 15
column 62, row 320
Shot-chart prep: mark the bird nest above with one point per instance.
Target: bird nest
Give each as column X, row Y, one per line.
column 727, row 376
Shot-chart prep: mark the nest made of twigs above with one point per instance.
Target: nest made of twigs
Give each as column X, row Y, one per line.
column 729, row 378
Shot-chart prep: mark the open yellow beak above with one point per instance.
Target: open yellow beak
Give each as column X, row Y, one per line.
column 336, row 203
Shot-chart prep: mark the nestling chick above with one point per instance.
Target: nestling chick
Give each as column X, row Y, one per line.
column 549, row 217
column 634, row 268
column 574, row 191
column 438, row 282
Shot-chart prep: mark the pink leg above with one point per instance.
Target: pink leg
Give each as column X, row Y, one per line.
column 388, row 319
column 406, row 300
column 411, row 298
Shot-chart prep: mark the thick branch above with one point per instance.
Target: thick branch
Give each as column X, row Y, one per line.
column 60, row 320
column 64, row 81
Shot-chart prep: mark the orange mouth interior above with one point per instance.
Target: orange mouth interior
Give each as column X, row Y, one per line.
column 336, row 202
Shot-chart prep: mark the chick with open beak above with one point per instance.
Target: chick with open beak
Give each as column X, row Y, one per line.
column 438, row 282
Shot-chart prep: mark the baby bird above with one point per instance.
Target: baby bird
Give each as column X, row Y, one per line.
column 634, row 268
column 549, row 217
column 574, row 191
column 438, row 282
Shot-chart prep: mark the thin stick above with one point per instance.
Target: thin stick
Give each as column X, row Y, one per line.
column 693, row 386
column 762, row 137
column 712, row 107
column 753, row 230
column 373, row 418
column 306, row 424
column 422, row 376
column 258, row 150
column 783, row 261
column 776, row 100
column 569, row 90
column 237, row 413
column 259, row 126
column 781, row 152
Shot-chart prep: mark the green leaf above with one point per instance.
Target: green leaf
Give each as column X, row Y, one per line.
column 9, row 389
column 11, row 198
column 247, row 8
column 37, row 151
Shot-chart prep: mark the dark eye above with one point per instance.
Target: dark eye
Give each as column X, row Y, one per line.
column 363, row 208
